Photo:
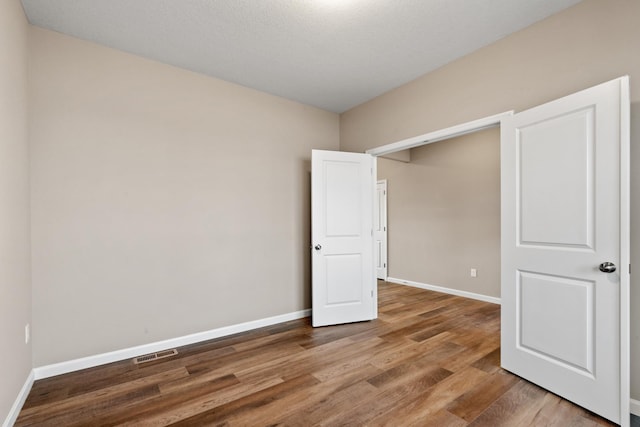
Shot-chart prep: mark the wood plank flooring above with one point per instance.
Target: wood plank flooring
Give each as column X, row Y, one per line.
column 430, row 359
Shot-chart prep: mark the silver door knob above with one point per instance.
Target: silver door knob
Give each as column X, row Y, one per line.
column 607, row 267
column 318, row 247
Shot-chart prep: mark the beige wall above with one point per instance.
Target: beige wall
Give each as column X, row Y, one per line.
column 444, row 213
column 164, row 202
column 587, row 44
column 590, row 43
column 15, row 286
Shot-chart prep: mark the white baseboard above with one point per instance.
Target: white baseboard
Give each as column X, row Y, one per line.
column 442, row 289
column 127, row 353
column 17, row 405
column 114, row 356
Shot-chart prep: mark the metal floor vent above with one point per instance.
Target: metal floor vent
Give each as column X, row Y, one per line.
column 155, row 356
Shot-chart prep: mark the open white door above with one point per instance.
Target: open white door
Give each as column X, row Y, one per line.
column 343, row 281
column 565, row 213
column 380, row 229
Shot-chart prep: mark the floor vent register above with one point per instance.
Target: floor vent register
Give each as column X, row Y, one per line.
column 155, row 356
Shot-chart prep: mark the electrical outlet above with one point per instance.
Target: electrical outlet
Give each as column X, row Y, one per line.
column 474, row 272
column 27, row 333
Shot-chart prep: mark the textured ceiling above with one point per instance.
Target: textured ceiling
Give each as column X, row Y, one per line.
column 332, row 54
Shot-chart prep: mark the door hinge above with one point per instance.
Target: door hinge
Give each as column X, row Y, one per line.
column 371, row 293
column 385, row 265
column 629, row 268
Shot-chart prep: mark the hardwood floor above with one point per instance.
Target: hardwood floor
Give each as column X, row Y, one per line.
column 430, row 359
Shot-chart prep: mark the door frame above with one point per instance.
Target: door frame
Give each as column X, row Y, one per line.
column 386, row 239
column 625, row 199
column 441, row 134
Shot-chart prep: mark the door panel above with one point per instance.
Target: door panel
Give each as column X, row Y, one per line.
column 343, row 209
column 556, row 180
column 568, row 307
column 343, row 271
column 561, row 217
column 342, row 238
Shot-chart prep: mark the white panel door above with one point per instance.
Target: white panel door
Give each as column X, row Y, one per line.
column 343, row 281
column 564, row 214
column 380, row 230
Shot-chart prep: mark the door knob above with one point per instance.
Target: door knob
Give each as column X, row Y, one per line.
column 318, row 247
column 607, row 267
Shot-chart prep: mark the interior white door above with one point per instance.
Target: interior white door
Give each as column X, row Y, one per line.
column 564, row 214
column 380, row 229
column 343, row 282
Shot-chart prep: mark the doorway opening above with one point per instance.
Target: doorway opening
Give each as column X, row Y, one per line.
column 445, row 209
